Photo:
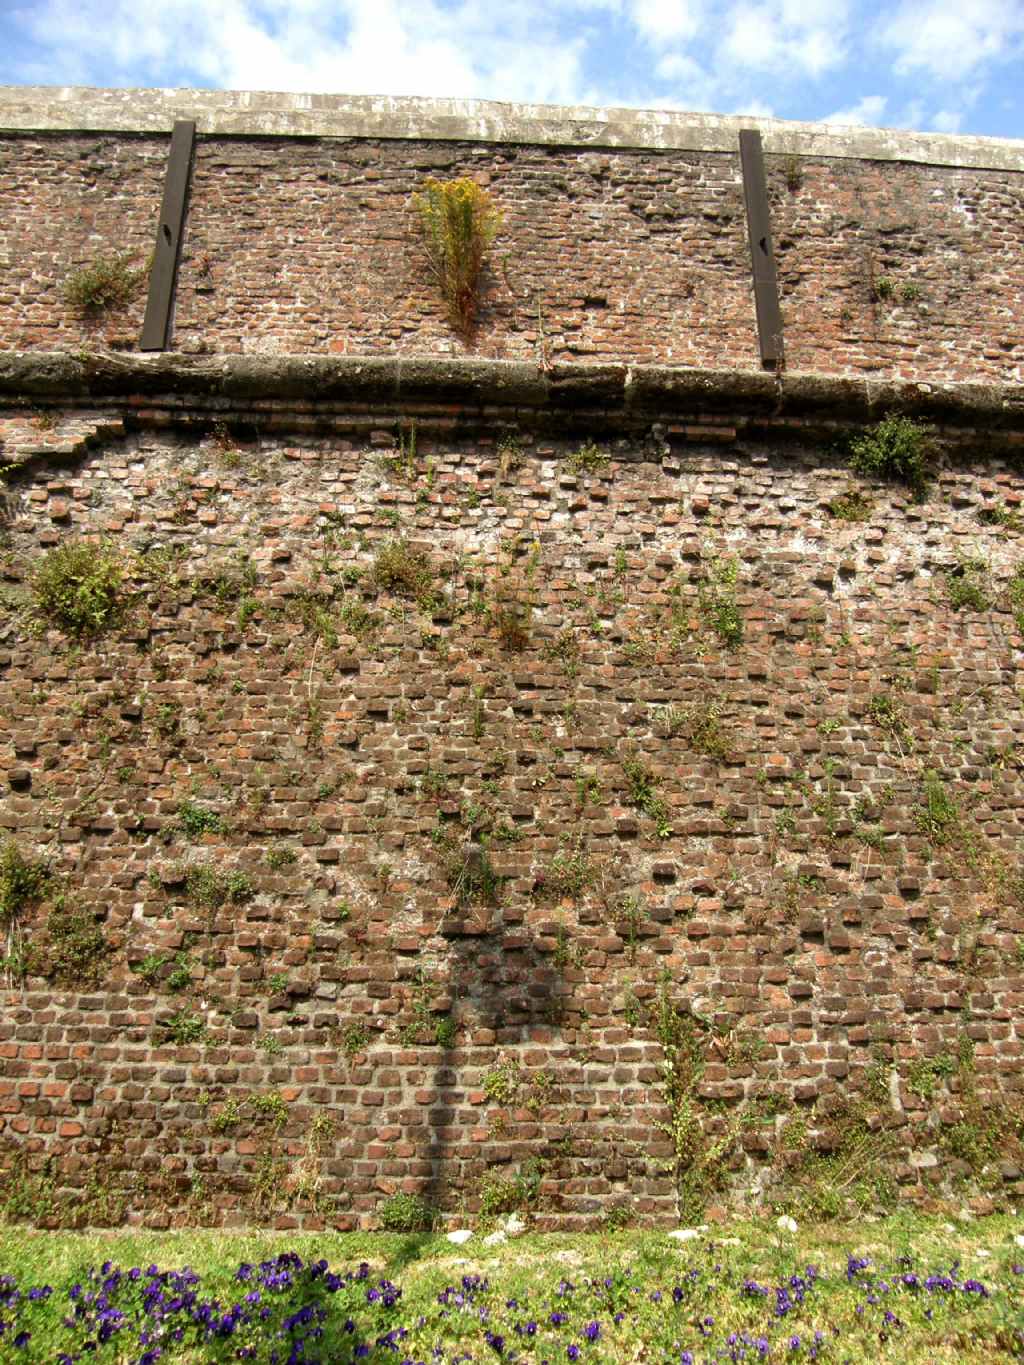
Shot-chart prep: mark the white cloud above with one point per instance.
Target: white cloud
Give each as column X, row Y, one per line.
column 949, row 39
column 514, row 52
column 791, row 36
column 947, row 121
column 753, row 108
column 749, row 55
column 667, row 21
column 867, row 111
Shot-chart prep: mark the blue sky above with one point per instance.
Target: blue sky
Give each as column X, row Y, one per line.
column 944, row 65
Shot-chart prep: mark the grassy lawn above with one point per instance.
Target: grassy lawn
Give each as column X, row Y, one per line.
column 916, row 1290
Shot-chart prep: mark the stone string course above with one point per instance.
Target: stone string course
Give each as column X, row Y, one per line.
column 362, row 1019
column 889, row 269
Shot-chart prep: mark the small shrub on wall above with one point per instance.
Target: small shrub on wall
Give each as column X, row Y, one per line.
column 108, row 282
column 896, row 449
column 23, row 881
column 77, row 588
column 460, row 221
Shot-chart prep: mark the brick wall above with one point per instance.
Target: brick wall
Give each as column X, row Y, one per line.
column 746, row 781
column 887, row 269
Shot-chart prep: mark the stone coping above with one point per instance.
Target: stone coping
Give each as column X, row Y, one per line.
column 474, row 392
column 251, row 113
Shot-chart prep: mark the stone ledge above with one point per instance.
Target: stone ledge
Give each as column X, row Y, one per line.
column 253, row 113
column 480, row 392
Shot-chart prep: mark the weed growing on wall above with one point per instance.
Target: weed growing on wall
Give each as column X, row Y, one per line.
column 231, row 585
column 588, row 459
column 897, row 449
column 184, row 1027
column 24, row 881
column 850, row 506
column 71, row 949
column 699, row 1159
column 501, row 1084
column 106, row 283
column 77, row 588
column 1015, row 593
column 700, row 726
column 937, row 815
column 965, row 586
column 354, row 1039
column 643, row 793
column 400, row 568
column 459, row 221
column 717, row 596
column 792, row 172
column 196, row 820
column 569, row 875
column 514, row 596
column 505, row 1194
column 406, row 1213
column 470, row 875
column 997, row 514
column 207, row 888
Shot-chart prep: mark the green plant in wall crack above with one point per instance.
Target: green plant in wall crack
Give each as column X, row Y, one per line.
column 926, row 1074
column 966, row 585
column 698, row 1158
column 850, row 506
column 271, row 1106
column 403, row 569
column 231, row 584
column 78, row 588
column 208, row 888
column 898, row 450
column 468, row 869
column 501, row 1084
column 589, row 458
column 459, row 221
column 183, row 1028
column 700, row 726
column 569, row 875
column 937, row 815
column 507, row 1194
column 716, row 594
column 196, row 820
column 354, row 1039
column 105, row 283
column 406, row 1213
column 71, row 948
column 24, row 881
column 643, row 794
column 1015, row 595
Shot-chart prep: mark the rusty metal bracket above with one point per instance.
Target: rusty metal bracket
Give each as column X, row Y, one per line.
column 156, row 327
column 762, row 255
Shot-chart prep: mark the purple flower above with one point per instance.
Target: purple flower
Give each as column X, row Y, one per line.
column 592, row 1331
column 572, row 1351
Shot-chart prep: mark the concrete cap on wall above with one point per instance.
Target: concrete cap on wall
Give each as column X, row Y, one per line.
column 251, row 113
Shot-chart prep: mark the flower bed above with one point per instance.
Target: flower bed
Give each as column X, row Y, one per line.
column 286, row 1311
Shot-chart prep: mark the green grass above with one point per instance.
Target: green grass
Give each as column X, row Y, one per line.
column 530, row 1270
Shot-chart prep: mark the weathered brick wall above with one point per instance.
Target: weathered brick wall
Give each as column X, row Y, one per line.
column 792, row 856
column 311, row 245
